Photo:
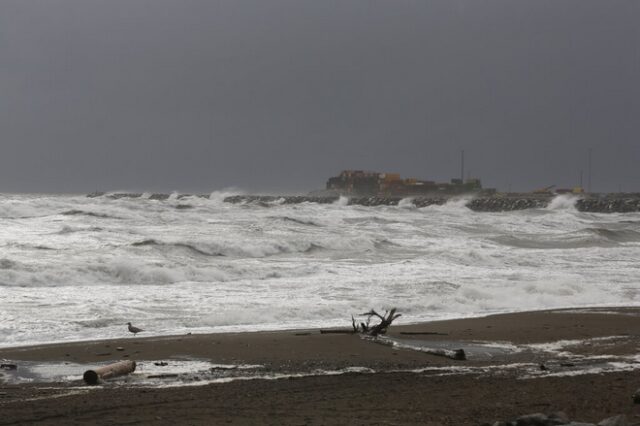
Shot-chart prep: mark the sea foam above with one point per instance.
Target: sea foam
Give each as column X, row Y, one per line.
column 74, row 268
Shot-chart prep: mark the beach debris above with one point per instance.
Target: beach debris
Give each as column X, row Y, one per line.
column 223, row 368
column 375, row 330
column 337, row 331
column 121, row 368
column 454, row 354
column 536, row 419
column 163, row 376
column 620, row 420
column 133, row 329
column 366, row 327
column 423, row 333
column 120, row 348
column 8, row 367
column 558, row 418
column 161, row 363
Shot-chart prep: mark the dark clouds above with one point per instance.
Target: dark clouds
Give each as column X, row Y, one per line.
column 273, row 94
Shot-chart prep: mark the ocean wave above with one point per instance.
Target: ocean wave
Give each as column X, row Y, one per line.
column 368, row 219
column 563, row 241
column 617, row 235
column 452, row 205
column 235, row 249
column 406, row 203
column 313, row 248
column 384, row 243
column 295, row 220
column 183, row 206
column 128, row 272
column 563, row 202
column 192, row 247
column 582, row 238
column 76, row 212
column 341, row 201
column 71, row 229
column 8, row 263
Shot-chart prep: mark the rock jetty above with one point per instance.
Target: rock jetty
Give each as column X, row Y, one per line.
column 609, row 203
column 501, row 204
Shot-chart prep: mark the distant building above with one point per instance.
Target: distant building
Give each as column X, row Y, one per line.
column 362, row 183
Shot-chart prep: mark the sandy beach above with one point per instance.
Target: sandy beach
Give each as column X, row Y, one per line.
column 582, row 362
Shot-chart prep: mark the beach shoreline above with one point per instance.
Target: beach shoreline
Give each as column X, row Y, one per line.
column 580, row 361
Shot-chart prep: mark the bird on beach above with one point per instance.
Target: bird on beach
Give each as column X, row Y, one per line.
column 134, row 330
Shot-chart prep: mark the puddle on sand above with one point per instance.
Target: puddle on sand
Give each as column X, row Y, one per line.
column 548, row 359
column 166, row 373
column 32, row 372
column 146, row 373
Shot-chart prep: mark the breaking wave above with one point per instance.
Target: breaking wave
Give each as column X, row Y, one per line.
column 563, row 202
column 71, row 229
column 234, row 249
column 194, row 248
column 296, row 220
column 583, row 238
column 75, row 212
column 553, row 242
column 618, row 235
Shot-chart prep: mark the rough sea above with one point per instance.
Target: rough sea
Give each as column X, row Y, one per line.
column 78, row 268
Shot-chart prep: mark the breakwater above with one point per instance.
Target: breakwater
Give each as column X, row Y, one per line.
column 609, row 203
column 349, row 201
column 604, row 204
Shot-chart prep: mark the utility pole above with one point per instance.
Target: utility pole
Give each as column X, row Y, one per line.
column 589, row 173
column 462, row 165
column 581, row 187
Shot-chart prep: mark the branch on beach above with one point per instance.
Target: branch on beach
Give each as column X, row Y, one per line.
column 381, row 327
column 366, row 327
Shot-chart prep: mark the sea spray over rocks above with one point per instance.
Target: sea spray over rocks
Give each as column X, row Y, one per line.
column 491, row 204
column 608, row 203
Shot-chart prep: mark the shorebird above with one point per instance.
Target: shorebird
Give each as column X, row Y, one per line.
column 134, row 330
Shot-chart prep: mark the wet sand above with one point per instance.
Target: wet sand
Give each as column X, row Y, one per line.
column 527, row 372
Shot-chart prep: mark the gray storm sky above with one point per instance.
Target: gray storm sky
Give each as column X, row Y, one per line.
column 278, row 95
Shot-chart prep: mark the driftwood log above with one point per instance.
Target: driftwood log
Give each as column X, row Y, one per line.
column 380, row 329
column 455, row 354
column 375, row 330
column 366, row 327
column 117, row 369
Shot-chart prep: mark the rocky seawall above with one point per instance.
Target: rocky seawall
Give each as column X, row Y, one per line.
column 481, row 204
column 610, row 203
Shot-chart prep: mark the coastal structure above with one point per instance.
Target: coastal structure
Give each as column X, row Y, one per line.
column 363, row 183
column 362, row 188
